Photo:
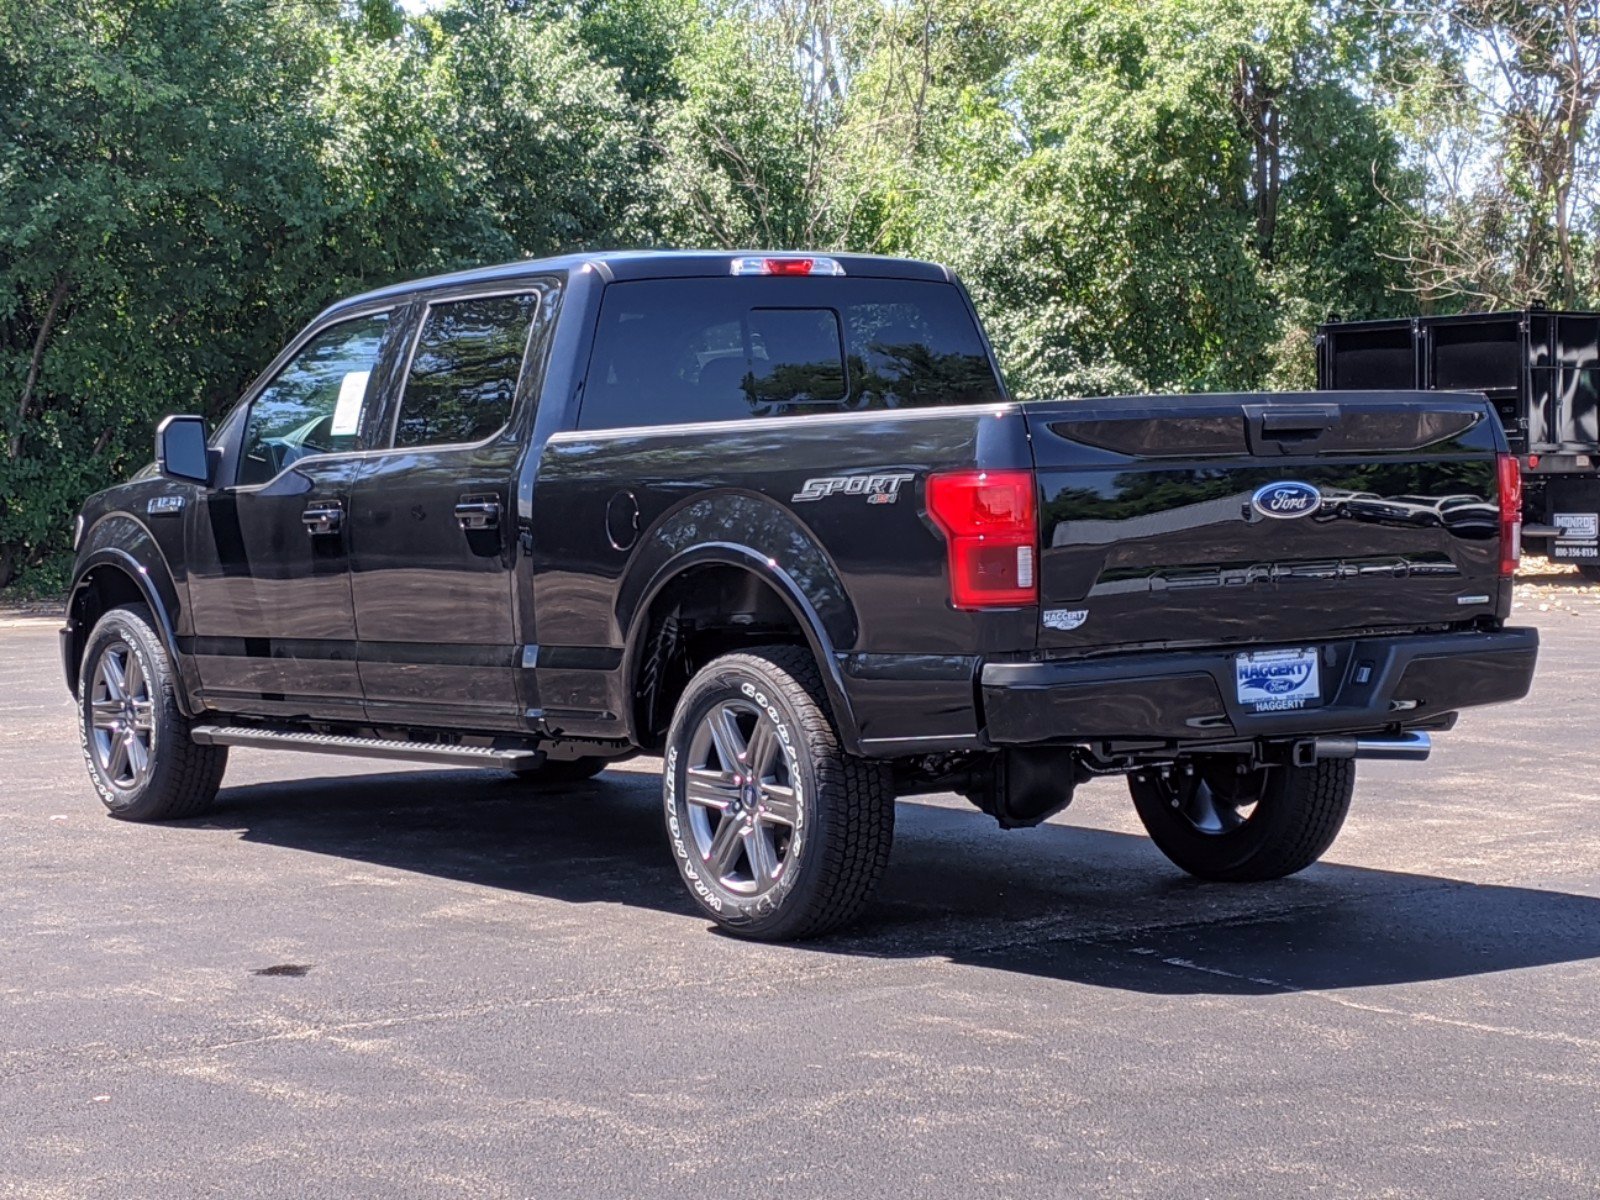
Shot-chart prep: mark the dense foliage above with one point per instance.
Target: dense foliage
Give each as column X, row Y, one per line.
column 1141, row 193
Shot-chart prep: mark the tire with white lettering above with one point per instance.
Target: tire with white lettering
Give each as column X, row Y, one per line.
column 1220, row 822
column 135, row 738
column 777, row 832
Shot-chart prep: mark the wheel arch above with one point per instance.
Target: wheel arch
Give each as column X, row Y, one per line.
column 109, row 576
column 716, row 567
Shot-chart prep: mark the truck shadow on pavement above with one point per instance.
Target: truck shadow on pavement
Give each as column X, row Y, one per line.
column 1082, row 905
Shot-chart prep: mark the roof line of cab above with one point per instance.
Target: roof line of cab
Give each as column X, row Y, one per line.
column 647, row 264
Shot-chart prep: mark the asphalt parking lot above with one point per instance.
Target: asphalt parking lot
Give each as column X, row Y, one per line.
column 354, row 980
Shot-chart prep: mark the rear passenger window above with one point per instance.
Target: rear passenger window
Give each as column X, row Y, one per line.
column 464, row 370
column 675, row 351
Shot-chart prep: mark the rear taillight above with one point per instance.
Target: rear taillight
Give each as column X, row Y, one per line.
column 1510, row 514
column 988, row 518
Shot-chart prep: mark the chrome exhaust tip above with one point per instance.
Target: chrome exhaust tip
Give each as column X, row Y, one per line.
column 1407, row 747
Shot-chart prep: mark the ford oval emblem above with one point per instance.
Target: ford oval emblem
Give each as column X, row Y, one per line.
column 1286, row 499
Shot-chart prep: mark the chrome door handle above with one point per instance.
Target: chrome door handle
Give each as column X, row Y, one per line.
column 322, row 519
column 478, row 512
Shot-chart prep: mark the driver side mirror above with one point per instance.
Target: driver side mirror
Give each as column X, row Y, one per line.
column 181, row 451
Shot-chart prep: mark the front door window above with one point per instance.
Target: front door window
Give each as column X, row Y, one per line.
column 314, row 404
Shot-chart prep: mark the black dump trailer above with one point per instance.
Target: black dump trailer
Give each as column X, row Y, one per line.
column 1540, row 370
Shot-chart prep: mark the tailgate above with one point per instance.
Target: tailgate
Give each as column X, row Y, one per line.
column 1176, row 520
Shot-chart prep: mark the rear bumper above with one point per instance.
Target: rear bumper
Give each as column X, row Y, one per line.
column 1189, row 697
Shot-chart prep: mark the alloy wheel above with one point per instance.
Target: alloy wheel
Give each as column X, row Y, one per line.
column 742, row 807
column 121, row 717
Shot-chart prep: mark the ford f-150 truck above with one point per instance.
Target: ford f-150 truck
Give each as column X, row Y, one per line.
column 775, row 518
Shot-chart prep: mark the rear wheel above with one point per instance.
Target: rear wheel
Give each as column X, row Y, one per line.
column 1590, row 571
column 135, row 737
column 1219, row 822
column 777, row 832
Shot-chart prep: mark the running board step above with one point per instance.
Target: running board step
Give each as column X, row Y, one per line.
column 363, row 747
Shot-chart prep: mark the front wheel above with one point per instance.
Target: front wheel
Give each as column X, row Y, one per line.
column 1219, row 818
column 135, row 737
column 777, row 832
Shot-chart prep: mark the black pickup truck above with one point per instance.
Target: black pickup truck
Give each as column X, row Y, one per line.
column 775, row 518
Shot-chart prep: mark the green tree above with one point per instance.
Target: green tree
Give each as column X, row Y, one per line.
column 1144, row 189
column 156, row 200
column 1496, row 100
column 1143, row 194
column 744, row 156
column 184, row 182
column 477, row 136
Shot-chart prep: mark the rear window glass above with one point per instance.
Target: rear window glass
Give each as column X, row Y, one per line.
column 672, row 351
column 464, row 371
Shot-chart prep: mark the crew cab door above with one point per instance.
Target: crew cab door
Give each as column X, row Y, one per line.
column 433, row 529
column 269, row 568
